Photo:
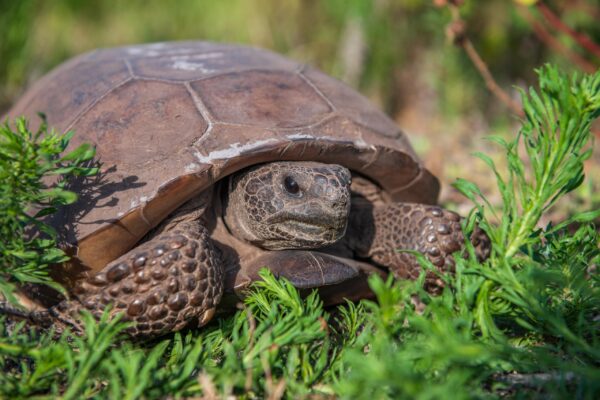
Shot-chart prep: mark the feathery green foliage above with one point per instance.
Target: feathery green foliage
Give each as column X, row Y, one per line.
column 522, row 324
column 279, row 342
column 27, row 160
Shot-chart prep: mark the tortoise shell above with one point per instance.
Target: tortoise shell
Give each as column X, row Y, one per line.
column 170, row 119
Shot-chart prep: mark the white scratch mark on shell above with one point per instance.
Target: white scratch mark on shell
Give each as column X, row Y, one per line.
column 360, row 143
column 190, row 66
column 204, row 56
column 136, row 202
column 159, row 49
column 300, row 136
column 136, row 51
column 191, row 167
column 234, row 150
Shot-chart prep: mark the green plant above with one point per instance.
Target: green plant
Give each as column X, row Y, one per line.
column 554, row 135
column 28, row 161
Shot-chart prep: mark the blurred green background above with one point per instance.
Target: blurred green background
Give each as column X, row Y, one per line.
column 396, row 52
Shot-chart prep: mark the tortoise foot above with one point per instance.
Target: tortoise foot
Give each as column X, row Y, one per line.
column 430, row 230
column 161, row 285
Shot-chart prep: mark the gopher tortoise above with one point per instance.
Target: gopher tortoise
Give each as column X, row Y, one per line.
column 217, row 160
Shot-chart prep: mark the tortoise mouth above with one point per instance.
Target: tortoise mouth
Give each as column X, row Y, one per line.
column 316, row 218
column 299, row 234
column 311, row 227
column 298, row 228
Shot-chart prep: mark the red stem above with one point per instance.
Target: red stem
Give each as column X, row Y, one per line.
column 546, row 37
column 582, row 39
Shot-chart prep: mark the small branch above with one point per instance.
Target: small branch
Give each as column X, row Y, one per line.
column 490, row 82
column 456, row 31
column 545, row 36
column 582, row 39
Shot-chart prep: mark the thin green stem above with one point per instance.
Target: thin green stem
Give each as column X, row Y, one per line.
column 532, row 215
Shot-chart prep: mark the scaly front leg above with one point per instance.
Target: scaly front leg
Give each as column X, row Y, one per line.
column 378, row 233
column 161, row 285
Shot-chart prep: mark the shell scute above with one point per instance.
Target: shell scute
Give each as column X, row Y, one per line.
column 267, row 99
column 64, row 96
column 142, row 122
column 357, row 108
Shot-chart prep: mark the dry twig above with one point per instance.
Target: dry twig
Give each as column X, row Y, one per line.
column 457, row 32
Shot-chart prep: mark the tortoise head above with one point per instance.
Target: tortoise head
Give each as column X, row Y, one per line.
column 289, row 205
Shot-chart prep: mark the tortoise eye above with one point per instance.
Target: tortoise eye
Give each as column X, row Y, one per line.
column 291, row 185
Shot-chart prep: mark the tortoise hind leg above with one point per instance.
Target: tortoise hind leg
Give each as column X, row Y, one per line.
column 381, row 231
column 160, row 285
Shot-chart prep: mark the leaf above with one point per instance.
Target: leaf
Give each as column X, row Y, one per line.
column 580, row 218
column 84, row 152
column 60, row 195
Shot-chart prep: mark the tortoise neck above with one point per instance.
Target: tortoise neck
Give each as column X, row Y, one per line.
column 361, row 227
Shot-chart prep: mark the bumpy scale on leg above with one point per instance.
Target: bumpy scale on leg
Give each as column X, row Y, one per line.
column 430, row 230
column 161, row 285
